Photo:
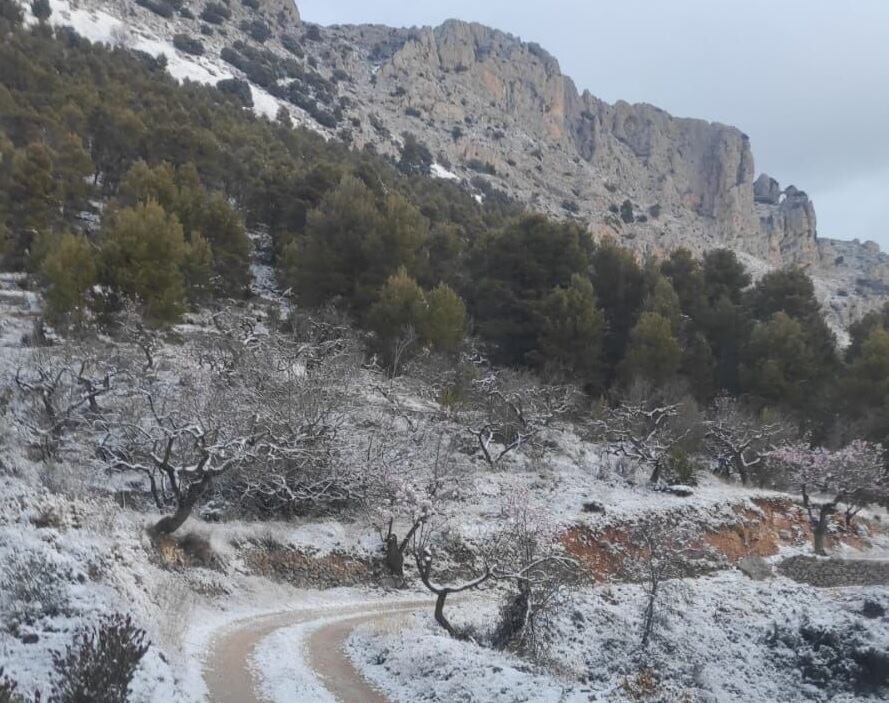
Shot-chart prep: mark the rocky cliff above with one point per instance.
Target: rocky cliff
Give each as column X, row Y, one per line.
column 498, row 113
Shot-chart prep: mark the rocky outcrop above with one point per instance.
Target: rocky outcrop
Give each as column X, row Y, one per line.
column 787, row 222
column 484, row 101
column 766, row 190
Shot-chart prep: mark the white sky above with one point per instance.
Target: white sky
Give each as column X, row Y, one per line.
column 808, row 80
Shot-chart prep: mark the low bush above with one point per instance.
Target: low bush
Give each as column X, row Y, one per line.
column 158, row 7
column 215, row 13
column 99, row 664
column 188, row 45
column 836, row 659
column 237, row 88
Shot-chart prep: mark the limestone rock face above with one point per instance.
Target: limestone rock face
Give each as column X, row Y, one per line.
column 788, row 223
column 480, row 96
column 766, row 190
column 497, row 113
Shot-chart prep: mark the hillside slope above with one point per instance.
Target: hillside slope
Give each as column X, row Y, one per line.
column 500, row 115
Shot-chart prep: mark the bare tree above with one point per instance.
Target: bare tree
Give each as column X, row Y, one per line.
column 133, row 330
column 646, row 434
column 423, row 555
column 514, row 410
column 63, row 392
column 521, row 554
column 180, row 444
column 659, row 553
column 415, row 505
column 737, row 440
column 526, row 553
column 853, row 476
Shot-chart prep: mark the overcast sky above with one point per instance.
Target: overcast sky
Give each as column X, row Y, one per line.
column 808, row 80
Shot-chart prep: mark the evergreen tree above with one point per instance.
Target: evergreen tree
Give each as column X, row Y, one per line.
column 572, row 332
column 35, row 200
column 779, row 364
column 861, row 329
column 620, row 284
column 330, row 259
column 444, row 325
column 399, row 241
column 41, row 9
column 397, row 318
column 686, row 275
column 416, row 159
column 198, row 267
column 143, row 252
column 224, row 235
column 70, row 270
column 653, row 353
column 661, row 298
column 514, row 269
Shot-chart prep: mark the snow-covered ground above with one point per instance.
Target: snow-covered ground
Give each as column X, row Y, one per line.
column 73, row 549
column 717, row 638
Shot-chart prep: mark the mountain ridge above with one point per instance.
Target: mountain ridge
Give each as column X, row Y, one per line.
column 498, row 114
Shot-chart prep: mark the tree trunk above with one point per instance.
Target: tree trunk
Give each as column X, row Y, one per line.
column 818, row 535
column 394, row 556
column 440, row 616
column 655, row 473
column 168, row 524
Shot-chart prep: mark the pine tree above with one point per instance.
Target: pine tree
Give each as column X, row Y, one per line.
column 70, row 270
column 143, row 252
column 397, row 318
column 620, row 284
column 779, row 363
column 223, row 230
column 653, row 352
column 444, row 325
column 573, row 331
column 331, row 257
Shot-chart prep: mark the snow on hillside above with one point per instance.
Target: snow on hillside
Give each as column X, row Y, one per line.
column 97, row 25
column 717, row 640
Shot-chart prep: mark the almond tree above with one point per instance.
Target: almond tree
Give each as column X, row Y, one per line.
column 514, row 411
column 525, row 551
column 646, row 434
column 62, row 393
column 853, row 476
column 737, row 440
column 180, row 447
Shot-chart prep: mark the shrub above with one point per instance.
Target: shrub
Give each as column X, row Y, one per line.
column 836, row 660
column 681, row 467
column 626, row 212
column 257, row 29
column 186, row 13
column 289, row 42
column 252, row 4
column 9, row 691
column 313, row 33
column 158, row 7
column 41, row 9
column 187, row 44
column 482, row 166
column 99, row 665
column 215, row 13
column 237, row 88
column 33, row 585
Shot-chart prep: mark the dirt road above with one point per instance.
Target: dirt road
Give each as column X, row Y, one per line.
column 230, row 678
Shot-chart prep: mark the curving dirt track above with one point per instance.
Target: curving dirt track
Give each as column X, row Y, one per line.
column 230, row 679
